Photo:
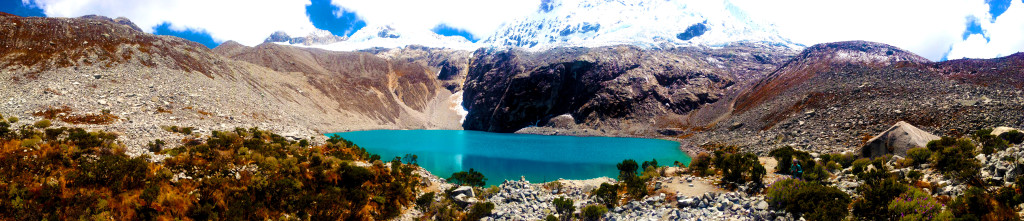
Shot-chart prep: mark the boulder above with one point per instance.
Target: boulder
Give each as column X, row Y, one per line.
column 897, row 140
column 1000, row 130
column 564, row 121
column 467, row 190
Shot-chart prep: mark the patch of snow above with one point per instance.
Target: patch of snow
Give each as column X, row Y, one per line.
column 592, row 23
column 644, row 23
column 456, row 106
column 388, row 37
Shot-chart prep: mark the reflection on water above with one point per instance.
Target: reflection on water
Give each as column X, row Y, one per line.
column 509, row 156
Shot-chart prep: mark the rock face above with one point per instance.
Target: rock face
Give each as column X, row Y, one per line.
column 449, row 65
column 897, row 140
column 611, row 87
column 388, row 91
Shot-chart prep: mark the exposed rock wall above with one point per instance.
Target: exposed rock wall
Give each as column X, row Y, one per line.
column 619, row 88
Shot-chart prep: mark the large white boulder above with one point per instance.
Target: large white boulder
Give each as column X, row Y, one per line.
column 897, row 140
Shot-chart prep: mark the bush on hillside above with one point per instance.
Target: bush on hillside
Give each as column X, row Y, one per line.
column 479, row 211
column 879, row 188
column 919, row 155
column 1013, row 136
column 593, row 212
column 739, row 168
column 44, row 123
column 816, row 174
column 564, row 207
column 701, row 165
column 636, row 186
column 860, row 165
column 989, row 143
column 607, row 194
column 785, row 156
column 423, row 202
column 915, row 204
column 954, row 158
column 809, row 200
column 550, row 217
column 976, row 204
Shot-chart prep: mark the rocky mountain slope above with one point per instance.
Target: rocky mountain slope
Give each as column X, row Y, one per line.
column 396, row 92
column 621, row 90
column 96, row 66
column 834, row 96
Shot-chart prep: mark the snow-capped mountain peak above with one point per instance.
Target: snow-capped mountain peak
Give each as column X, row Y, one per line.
column 580, row 23
column 646, row 23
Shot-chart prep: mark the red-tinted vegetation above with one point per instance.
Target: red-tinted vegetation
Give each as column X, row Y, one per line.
column 65, row 114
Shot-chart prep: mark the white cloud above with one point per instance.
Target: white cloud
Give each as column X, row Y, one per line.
column 1006, row 36
column 480, row 17
column 247, row 21
column 926, row 27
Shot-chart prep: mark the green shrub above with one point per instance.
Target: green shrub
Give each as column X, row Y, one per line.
column 550, row 217
column 12, row 120
column 44, row 123
column 954, row 158
column 423, row 202
column 471, row 177
column 607, row 194
column 816, row 174
column 627, row 168
column 1008, row 196
column 809, row 200
column 915, row 204
column 860, row 165
column 156, row 146
column 915, row 175
column 989, row 143
column 648, row 164
column 564, row 207
column 1013, row 136
column 879, row 188
column 636, row 186
column 919, row 155
column 739, row 168
column 5, row 128
column 784, row 155
column 976, row 204
column 832, row 166
column 701, row 165
column 593, row 212
column 480, row 210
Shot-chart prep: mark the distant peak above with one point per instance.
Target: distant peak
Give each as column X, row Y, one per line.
column 862, row 52
column 315, row 37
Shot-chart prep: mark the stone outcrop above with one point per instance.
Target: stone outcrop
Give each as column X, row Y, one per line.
column 613, row 88
column 897, row 140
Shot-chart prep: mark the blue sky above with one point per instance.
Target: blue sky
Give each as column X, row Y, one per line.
column 936, row 29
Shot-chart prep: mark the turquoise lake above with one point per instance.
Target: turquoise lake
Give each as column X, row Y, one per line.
column 502, row 156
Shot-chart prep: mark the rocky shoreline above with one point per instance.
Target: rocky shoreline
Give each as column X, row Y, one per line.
column 523, row 200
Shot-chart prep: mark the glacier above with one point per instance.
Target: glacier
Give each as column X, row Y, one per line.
column 648, row 24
